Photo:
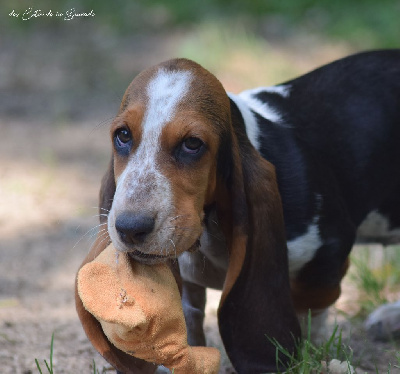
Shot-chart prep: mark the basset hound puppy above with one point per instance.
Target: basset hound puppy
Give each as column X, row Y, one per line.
column 259, row 194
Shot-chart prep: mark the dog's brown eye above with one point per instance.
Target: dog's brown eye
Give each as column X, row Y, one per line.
column 123, row 141
column 123, row 135
column 192, row 145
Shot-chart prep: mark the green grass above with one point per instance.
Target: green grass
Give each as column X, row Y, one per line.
column 398, row 360
column 95, row 370
column 49, row 365
column 310, row 358
column 377, row 279
column 370, row 284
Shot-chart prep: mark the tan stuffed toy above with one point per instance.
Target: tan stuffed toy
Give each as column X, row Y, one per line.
column 140, row 311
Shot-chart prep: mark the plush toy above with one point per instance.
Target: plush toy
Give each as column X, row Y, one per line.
column 140, row 311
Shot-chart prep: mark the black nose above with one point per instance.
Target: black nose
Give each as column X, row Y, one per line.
column 133, row 228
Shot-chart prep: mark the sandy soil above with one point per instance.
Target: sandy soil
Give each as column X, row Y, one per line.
column 51, row 163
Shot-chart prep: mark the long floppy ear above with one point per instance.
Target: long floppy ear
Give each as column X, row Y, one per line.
column 256, row 305
column 121, row 361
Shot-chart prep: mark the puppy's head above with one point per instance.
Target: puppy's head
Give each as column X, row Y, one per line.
column 180, row 146
column 165, row 140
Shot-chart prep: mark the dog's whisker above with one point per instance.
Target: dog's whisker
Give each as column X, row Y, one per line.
column 176, row 228
column 102, row 123
column 99, row 233
column 216, row 236
column 99, row 215
column 179, row 216
column 106, row 238
column 88, row 232
column 102, row 233
column 97, row 207
column 96, row 227
column 173, row 244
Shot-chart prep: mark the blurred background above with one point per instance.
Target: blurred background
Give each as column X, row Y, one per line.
column 61, row 82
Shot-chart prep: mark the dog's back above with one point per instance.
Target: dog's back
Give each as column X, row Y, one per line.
column 344, row 117
column 347, row 115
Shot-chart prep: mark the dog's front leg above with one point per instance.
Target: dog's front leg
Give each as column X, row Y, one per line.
column 198, row 272
column 205, row 268
column 193, row 303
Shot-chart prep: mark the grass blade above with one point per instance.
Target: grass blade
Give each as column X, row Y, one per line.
column 38, row 366
column 48, row 367
column 51, row 352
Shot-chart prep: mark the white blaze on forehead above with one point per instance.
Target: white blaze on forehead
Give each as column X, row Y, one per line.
column 164, row 92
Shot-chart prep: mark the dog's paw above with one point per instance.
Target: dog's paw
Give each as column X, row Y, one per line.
column 319, row 330
column 384, row 322
column 336, row 367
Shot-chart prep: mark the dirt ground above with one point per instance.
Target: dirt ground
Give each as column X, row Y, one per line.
column 52, row 157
